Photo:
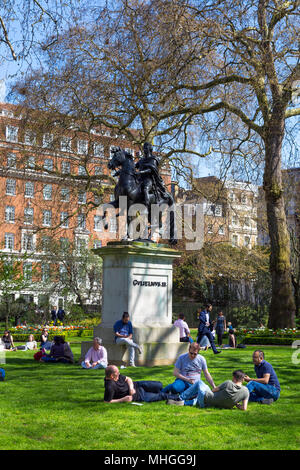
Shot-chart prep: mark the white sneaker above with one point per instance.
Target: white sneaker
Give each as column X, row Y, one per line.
column 175, row 402
column 132, row 365
column 140, row 349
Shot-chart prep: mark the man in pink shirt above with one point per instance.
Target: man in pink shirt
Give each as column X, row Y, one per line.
column 184, row 331
column 96, row 357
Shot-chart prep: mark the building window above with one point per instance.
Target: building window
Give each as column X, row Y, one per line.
column 28, row 215
column 46, row 242
column 98, row 150
column 221, row 230
column 97, row 243
column 82, row 171
column 47, row 192
column 210, row 228
column 81, row 244
column 112, row 149
column 234, row 240
column 82, row 197
column 98, row 225
column 11, row 161
column 45, row 272
column 66, row 144
column 10, row 187
column 48, row 164
column 30, row 163
column 82, row 147
column 65, row 167
column 27, row 242
column 113, row 224
column 247, row 222
column 65, row 194
column 47, row 218
column 29, row 138
column 27, row 271
column 63, row 273
column 10, row 214
column 64, row 243
column 243, row 199
column 64, row 219
column 247, row 242
column 12, row 134
column 81, row 221
column 47, row 140
column 29, row 189
column 98, row 170
column 234, row 220
column 9, row 241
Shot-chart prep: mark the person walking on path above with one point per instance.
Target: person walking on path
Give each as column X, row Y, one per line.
column 204, row 328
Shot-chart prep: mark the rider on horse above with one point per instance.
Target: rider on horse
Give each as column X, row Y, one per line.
column 151, row 180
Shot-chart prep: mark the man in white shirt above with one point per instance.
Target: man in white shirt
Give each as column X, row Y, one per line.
column 184, row 331
column 96, row 357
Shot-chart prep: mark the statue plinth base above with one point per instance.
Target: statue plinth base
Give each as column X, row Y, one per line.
column 137, row 278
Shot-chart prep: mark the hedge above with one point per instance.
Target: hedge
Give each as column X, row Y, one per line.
column 23, row 338
column 265, row 340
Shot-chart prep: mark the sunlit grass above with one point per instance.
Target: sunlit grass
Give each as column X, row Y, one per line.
column 57, row 406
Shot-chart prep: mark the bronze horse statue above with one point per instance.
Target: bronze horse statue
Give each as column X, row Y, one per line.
column 130, row 184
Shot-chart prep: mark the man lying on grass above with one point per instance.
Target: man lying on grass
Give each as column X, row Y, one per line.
column 229, row 394
column 120, row 389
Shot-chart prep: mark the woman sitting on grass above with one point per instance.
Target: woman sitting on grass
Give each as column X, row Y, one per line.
column 8, row 341
column 45, row 343
column 60, row 352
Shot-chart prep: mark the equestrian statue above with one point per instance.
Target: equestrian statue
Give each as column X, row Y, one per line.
column 141, row 183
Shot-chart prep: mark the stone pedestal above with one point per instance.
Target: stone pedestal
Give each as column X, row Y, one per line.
column 137, row 278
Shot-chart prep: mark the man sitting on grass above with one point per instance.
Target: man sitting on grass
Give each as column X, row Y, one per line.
column 187, row 370
column 229, row 394
column 265, row 389
column 120, row 389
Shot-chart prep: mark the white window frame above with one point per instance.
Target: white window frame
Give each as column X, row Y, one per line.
column 98, row 150
column 28, row 215
column 10, row 214
column 47, row 218
column 12, row 133
column 47, row 192
column 64, row 219
column 29, row 189
column 9, row 241
column 66, row 144
column 10, row 187
column 82, row 147
column 47, row 141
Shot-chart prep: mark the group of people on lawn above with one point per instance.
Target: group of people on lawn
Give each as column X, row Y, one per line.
column 187, row 389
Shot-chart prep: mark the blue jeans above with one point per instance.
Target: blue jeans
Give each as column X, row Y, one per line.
column 177, row 387
column 98, row 366
column 258, row 392
column 150, row 390
column 195, row 394
column 206, row 332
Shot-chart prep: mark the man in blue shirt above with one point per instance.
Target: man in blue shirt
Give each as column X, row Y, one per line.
column 123, row 335
column 265, row 388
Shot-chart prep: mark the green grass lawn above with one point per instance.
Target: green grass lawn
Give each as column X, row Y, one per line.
column 47, row 406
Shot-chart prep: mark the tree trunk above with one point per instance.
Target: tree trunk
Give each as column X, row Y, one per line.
column 282, row 308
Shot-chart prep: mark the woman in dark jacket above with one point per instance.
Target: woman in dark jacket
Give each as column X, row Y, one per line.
column 60, row 352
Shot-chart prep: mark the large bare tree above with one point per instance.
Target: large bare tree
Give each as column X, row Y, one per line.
column 227, row 67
